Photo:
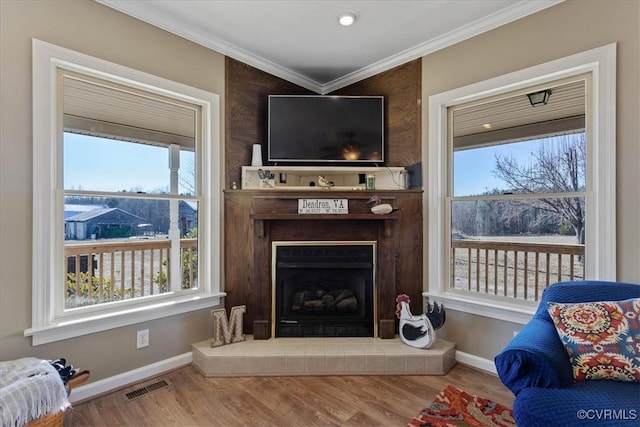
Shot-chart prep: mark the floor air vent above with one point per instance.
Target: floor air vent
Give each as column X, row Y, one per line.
column 149, row 388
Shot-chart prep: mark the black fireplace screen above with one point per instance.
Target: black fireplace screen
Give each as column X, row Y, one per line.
column 324, row 290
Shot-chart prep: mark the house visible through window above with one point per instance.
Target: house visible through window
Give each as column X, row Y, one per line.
column 131, row 245
column 126, row 196
column 129, row 166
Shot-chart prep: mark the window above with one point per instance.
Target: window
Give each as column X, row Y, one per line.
column 517, row 201
column 520, row 196
column 126, row 196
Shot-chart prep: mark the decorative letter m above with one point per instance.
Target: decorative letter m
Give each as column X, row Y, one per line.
column 227, row 331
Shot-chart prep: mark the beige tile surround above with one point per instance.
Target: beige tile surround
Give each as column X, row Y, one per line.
column 321, row 356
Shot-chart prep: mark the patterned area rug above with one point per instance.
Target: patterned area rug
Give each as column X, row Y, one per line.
column 455, row 408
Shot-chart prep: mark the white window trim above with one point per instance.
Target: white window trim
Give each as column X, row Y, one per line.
column 601, row 212
column 48, row 205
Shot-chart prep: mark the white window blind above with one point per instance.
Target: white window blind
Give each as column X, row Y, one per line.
column 99, row 108
column 512, row 118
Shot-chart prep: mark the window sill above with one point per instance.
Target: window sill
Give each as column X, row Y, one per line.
column 90, row 324
column 508, row 311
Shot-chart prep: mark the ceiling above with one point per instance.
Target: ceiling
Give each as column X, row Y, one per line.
column 512, row 117
column 302, row 41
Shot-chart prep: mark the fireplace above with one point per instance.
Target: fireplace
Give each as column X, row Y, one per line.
column 323, row 289
column 274, row 217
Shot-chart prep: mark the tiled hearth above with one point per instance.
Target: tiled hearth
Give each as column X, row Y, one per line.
column 322, row 356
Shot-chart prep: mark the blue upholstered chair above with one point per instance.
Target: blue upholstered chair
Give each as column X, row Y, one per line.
column 535, row 367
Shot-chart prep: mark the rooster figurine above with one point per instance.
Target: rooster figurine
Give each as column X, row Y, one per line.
column 418, row 331
column 436, row 314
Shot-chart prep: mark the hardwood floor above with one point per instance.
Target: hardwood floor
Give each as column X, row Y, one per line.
column 193, row 400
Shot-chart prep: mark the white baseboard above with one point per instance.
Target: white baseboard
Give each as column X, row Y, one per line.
column 476, row 361
column 93, row 389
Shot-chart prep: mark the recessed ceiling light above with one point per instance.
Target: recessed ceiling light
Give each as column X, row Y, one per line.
column 487, row 125
column 347, row 18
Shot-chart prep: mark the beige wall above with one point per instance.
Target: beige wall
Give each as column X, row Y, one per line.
column 570, row 27
column 90, row 28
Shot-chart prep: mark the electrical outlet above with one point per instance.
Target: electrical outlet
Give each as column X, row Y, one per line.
column 142, row 338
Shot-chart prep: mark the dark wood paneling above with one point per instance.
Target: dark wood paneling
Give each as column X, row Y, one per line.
column 247, row 90
column 238, row 252
column 260, row 217
column 409, row 276
column 401, row 87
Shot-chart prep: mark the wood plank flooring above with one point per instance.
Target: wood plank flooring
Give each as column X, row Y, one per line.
column 193, row 400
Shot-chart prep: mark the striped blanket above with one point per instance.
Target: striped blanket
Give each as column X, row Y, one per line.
column 29, row 389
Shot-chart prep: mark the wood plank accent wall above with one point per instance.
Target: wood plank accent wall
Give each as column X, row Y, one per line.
column 401, row 88
column 247, row 89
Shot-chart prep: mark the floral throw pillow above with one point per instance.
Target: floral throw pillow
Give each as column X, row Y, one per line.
column 602, row 339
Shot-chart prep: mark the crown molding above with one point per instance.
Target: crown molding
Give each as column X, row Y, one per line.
column 256, row 61
column 158, row 19
column 246, row 57
column 144, row 13
column 505, row 16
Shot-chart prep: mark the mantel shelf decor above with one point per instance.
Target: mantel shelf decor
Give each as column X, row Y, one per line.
column 323, row 206
column 324, row 178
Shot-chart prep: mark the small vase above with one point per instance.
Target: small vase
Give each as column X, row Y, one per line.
column 256, row 160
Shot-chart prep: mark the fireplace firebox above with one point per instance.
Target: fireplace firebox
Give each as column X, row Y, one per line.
column 324, row 289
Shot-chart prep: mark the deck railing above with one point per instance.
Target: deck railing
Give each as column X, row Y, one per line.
column 99, row 272
column 510, row 269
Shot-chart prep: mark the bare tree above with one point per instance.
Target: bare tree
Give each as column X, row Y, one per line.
column 187, row 179
column 557, row 167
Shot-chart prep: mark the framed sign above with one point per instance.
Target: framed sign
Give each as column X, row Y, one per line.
column 323, row 206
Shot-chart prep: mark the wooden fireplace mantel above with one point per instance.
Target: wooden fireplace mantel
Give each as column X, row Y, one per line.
column 259, row 219
column 256, row 218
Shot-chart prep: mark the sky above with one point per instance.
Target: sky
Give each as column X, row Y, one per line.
column 92, row 163
column 473, row 169
column 98, row 164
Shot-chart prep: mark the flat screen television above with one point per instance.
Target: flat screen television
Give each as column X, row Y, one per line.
column 312, row 129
